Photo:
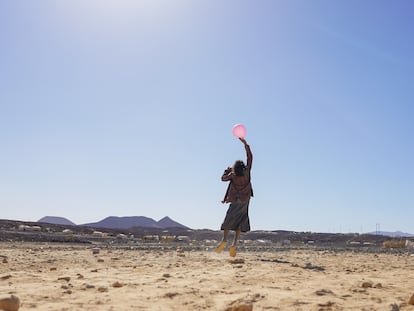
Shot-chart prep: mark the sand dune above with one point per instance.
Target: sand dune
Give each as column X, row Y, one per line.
column 62, row 277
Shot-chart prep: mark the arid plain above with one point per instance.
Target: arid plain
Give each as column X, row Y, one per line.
column 76, row 277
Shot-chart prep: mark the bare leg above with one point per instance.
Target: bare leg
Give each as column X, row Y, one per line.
column 233, row 246
column 236, row 236
column 225, row 234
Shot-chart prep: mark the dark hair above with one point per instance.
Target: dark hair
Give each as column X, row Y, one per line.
column 239, row 168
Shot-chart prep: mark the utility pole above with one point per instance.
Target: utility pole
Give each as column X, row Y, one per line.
column 377, row 228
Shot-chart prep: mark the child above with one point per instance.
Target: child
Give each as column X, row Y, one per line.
column 238, row 195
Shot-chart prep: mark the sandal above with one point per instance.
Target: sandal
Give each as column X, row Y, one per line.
column 220, row 247
column 233, row 251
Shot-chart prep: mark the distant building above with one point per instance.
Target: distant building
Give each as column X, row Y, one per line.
column 67, row 231
column 183, row 238
column 29, row 228
column 98, row 234
column 151, row 238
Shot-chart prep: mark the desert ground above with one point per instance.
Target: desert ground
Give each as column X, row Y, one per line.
column 82, row 277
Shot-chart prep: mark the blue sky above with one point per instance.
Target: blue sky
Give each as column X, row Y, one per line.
column 126, row 108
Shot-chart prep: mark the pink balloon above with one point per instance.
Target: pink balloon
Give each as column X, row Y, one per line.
column 239, row 130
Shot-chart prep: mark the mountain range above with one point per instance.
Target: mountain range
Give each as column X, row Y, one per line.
column 395, row 234
column 114, row 222
column 127, row 222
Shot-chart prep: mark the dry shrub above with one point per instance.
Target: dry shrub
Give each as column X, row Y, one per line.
column 394, row 244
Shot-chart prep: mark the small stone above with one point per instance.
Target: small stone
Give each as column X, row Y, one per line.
column 378, row 285
column 11, row 303
column 323, row 292
column 359, row 290
column 101, row 260
column 394, row 307
column 171, row 295
column 53, row 269
column 64, row 278
column 313, row 267
column 237, row 261
column 5, row 260
column 94, row 270
column 5, row 277
column 80, row 276
column 241, row 307
column 96, row 250
column 102, row 289
column 411, row 300
column 367, row 284
column 166, row 275
column 117, row 284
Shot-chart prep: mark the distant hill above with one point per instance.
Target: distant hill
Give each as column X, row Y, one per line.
column 56, row 221
column 113, row 222
column 395, row 234
column 167, row 222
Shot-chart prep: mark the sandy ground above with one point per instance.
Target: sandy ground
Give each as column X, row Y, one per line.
column 62, row 277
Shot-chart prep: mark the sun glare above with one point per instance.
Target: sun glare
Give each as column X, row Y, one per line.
column 120, row 14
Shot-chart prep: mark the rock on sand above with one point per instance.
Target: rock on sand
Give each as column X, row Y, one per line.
column 10, row 303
